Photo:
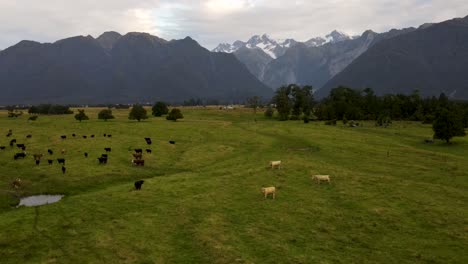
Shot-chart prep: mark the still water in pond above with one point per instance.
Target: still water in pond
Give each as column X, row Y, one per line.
column 38, row 200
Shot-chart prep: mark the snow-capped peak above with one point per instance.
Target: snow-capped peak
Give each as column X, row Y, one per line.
column 334, row 37
column 274, row 48
column 277, row 47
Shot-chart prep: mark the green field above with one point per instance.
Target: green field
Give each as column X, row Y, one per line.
column 392, row 198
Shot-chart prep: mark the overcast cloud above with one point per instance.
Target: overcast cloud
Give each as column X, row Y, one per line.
column 213, row 21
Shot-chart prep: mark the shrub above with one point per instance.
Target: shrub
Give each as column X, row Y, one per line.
column 175, row 114
column 269, row 112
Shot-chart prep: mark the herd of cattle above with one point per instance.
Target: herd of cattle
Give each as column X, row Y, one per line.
column 277, row 164
column 103, row 159
column 136, row 161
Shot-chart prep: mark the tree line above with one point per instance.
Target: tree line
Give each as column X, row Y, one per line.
column 294, row 102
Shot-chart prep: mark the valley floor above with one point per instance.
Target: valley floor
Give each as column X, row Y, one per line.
column 392, row 198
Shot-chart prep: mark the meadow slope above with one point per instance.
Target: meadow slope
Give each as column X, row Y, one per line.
column 393, row 198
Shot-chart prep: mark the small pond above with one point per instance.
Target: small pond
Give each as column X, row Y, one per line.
column 38, row 200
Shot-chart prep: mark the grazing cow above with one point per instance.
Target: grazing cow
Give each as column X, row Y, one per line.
column 138, row 162
column 148, row 151
column 107, row 149
column 63, row 137
column 137, row 155
column 321, row 178
column 37, row 162
column 86, row 154
column 61, row 161
column 267, row 190
column 275, row 164
column 84, row 137
column 92, row 136
column 73, row 135
column 63, row 151
column 104, row 156
column 38, row 156
column 138, row 184
column 63, row 169
column 19, row 155
column 105, row 135
column 148, row 141
column 20, row 145
column 2, row 147
column 102, row 160
column 29, row 136
column 429, row 141
column 16, row 183
column 50, row 161
column 13, row 141
column 138, row 151
column 50, row 151
column 172, row 142
column 109, row 136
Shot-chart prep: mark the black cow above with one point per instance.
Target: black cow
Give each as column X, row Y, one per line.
column 148, row 151
column 107, row 149
column 23, row 148
column 37, row 162
column 109, row 136
column 50, row 151
column 61, row 161
column 73, row 135
column 102, row 160
column 138, row 151
column 20, row 145
column 148, row 141
column 29, row 136
column 84, row 137
column 138, row 162
column 63, row 137
column 92, row 136
column 172, row 142
column 105, row 135
column 86, row 154
column 63, row 169
column 19, row 155
column 9, row 134
column 138, row 184
column 2, row 147
column 50, row 161
column 13, row 141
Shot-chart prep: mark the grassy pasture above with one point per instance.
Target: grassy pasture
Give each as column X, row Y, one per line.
column 393, row 198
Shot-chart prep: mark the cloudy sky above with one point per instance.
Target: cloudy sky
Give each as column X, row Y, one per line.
column 213, row 21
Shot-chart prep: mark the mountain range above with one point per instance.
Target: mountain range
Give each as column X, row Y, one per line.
column 431, row 59
column 364, row 61
column 136, row 67
column 139, row 67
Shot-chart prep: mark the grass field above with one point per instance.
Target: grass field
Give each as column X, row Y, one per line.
column 393, row 198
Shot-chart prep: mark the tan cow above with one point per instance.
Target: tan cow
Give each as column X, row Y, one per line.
column 267, row 190
column 275, row 164
column 38, row 156
column 16, row 183
column 321, row 178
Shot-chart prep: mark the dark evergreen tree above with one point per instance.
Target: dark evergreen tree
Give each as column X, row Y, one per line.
column 448, row 124
column 283, row 102
column 160, row 109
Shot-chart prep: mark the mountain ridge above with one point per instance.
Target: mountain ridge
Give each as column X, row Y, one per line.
column 130, row 68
